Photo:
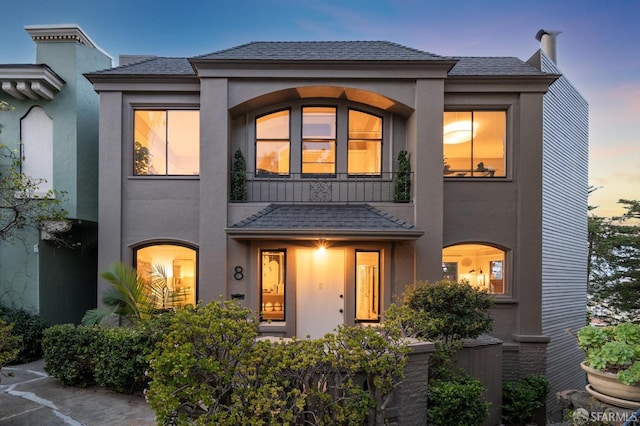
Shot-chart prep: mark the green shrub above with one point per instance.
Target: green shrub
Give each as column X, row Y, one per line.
column 211, row 369
column 457, row 401
column 68, row 354
column 521, row 399
column 30, row 327
column 9, row 344
column 449, row 311
column 112, row 357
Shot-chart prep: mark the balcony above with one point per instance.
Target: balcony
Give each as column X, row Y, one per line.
column 334, row 188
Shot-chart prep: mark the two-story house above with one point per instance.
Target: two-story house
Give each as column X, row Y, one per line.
column 272, row 173
column 53, row 125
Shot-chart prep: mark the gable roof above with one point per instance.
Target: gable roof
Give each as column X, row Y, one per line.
column 322, row 51
column 338, row 221
column 156, row 65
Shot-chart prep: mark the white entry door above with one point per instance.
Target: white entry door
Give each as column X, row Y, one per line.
column 319, row 291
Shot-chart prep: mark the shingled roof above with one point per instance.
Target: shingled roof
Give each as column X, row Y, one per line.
column 327, row 220
column 322, row 51
column 330, row 51
column 493, row 66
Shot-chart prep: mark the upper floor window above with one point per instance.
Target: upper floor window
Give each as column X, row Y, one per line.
column 36, row 132
column 474, row 143
column 365, row 144
column 167, row 142
column 273, row 143
column 481, row 265
column 169, row 271
column 318, row 140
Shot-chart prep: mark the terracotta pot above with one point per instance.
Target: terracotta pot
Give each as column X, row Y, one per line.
column 608, row 384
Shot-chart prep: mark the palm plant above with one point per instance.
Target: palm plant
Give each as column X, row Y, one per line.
column 129, row 298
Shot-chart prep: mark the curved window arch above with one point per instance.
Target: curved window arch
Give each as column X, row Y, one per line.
column 483, row 266
column 170, row 271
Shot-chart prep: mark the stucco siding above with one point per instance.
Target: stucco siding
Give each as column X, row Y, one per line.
column 565, row 182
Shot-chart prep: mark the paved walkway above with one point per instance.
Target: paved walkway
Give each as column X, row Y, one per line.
column 28, row 396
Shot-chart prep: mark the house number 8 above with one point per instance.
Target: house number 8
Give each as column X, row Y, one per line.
column 238, row 273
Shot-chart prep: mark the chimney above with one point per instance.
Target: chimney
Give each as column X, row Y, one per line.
column 547, row 39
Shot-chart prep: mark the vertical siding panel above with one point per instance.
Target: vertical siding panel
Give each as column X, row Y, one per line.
column 564, row 216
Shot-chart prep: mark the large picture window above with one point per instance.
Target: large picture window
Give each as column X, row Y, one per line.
column 365, row 144
column 166, row 142
column 474, row 144
column 170, row 273
column 481, row 265
column 318, row 140
column 273, row 143
column 367, row 285
column 272, row 284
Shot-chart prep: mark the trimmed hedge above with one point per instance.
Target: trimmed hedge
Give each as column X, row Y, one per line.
column 114, row 358
column 30, row 327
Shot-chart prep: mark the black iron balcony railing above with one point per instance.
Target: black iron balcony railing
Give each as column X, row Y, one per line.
column 334, row 188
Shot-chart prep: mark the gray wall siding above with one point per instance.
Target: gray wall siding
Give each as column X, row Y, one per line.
column 564, row 260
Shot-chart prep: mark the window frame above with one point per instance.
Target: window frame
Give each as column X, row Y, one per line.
column 379, row 286
column 248, row 120
column 335, row 108
column 255, row 143
column 261, row 284
column 507, row 276
column 508, row 144
column 196, row 286
column 378, row 174
column 166, row 109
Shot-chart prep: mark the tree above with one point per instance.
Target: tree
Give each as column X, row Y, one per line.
column 614, row 265
column 20, row 207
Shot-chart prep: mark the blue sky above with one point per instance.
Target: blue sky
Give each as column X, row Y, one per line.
column 598, row 50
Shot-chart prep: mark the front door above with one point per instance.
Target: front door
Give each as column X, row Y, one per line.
column 319, row 291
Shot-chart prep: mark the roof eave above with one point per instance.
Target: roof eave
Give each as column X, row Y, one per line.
column 328, row 234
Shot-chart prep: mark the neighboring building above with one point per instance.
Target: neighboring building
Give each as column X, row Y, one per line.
column 309, row 236
column 55, row 127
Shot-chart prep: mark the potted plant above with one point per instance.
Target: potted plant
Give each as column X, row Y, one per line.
column 238, row 181
column 612, row 362
column 402, row 192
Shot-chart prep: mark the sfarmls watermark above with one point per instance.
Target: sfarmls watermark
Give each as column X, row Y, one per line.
column 583, row 417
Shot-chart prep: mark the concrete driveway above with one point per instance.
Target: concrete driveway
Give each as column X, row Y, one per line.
column 28, row 396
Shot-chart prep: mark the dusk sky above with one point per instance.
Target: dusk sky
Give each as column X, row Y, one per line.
column 598, row 49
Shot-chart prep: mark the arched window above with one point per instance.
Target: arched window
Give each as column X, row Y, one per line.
column 481, row 265
column 170, row 271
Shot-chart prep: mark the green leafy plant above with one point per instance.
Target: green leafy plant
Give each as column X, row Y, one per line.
column 111, row 357
column 521, row 399
column 238, row 180
column 613, row 349
column 30, row 328
column 456, row 402
column 402, row 188
column 9, row 343
column 211, row 369
column 128, row 299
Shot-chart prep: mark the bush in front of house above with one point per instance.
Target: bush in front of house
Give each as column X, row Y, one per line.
column 9, row 343
column 446, row 312
column 30, row 327
column 521, row 399
column 456, row 401
column 111, row 357
column 212, row 369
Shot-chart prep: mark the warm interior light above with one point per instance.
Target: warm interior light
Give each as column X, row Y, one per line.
column 459, row 132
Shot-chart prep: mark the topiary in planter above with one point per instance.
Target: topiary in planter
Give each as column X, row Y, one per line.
column 402, row 189
column 238, row 180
